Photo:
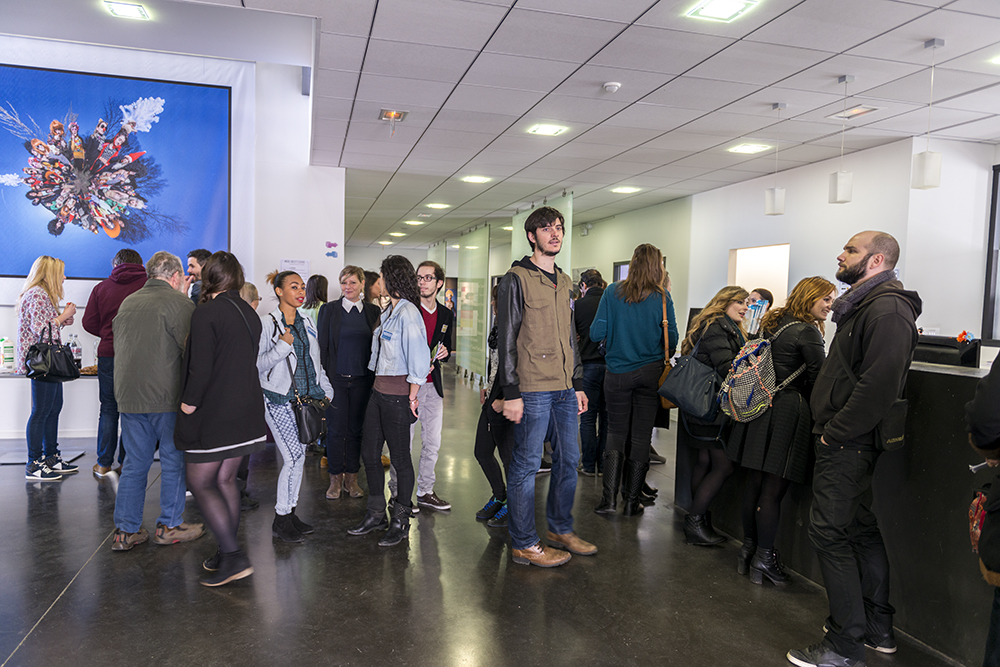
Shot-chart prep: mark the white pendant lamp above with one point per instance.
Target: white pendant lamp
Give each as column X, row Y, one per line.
column 842, row 182
column 774, row 198
column 926, row 171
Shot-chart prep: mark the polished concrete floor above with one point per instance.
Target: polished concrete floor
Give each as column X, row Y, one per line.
column 450, row 595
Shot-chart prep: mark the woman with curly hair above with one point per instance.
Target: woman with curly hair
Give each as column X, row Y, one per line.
column 775, row 447
column 401, row 361
column 718, row 333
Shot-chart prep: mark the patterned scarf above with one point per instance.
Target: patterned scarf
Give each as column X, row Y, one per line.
column 850, row 299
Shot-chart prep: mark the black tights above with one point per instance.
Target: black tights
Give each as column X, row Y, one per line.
column 213, row 485
column 493, row 434
column 762, row 506
column 710, row 473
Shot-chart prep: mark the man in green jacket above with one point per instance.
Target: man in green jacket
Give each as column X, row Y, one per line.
column 150, row 331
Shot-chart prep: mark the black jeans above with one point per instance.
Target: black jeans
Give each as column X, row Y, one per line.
column 632, row 401
column 494, row 434
column 593, row 438
column 844, row 532
column 388, row 420
column 346, row 419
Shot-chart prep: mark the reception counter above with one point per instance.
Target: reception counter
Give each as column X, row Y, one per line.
column 922, row 495
column 78, row 419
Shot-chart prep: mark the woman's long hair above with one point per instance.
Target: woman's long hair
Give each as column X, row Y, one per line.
column 645, row 274
column 400, row 279
column 715, row 309
column 222, row 272
column 47, row 273
column 316, row 290
column 800, row 302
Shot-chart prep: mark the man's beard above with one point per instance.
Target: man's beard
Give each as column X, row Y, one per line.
column 850, row 275
column 551, row 253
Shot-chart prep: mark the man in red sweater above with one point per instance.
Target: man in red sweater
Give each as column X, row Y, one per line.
column 127, row 276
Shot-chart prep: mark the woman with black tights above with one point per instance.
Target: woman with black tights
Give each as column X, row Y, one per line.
column 718, row 333
column 221, row 418
column 493, row 435
column 632, row 319
column 775, row 447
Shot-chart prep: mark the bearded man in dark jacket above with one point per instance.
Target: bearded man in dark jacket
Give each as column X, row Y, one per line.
column 861, row 378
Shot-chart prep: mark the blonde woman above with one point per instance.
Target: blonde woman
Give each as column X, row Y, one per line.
column 718, row 333
column 38, row 314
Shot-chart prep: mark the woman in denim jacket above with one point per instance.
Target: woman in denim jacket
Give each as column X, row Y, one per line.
column 401, row 361
column 289, row 350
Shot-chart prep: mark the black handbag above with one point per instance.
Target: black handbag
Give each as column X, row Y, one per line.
column 693, row 386
column 49, row 362
column 310, row 413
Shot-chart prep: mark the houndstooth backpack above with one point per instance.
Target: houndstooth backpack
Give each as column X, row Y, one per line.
column 749, row 388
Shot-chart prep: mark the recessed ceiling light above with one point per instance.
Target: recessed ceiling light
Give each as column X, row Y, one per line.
column 547, row 130
column 438, row 205
column 392, row 115
column 385, row 242
column 124, row 10
column 852, row 113
column 995, row 61
column 722, row 11
column 477, row 179
column 749, row 149
column 396, row 234
column 412, row 222
column 472, row 247
column 625, row 190
column 507, row 229
column 456, row 246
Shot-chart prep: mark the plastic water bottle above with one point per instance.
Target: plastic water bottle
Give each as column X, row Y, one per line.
column 77, row 349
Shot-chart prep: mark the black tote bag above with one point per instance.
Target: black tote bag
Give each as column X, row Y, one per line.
column 49, row 362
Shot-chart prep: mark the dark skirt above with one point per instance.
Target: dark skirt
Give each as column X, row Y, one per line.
column 222, row 455
column 777, row 442
column 702, row 435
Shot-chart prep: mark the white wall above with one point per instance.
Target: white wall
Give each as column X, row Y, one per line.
column 371, row 258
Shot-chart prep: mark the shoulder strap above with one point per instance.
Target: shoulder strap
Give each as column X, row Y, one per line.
column 238, row 310
column 666, row 332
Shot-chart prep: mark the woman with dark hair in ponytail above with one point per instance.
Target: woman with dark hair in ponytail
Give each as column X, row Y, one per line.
column 288, row 364
column 401, row 361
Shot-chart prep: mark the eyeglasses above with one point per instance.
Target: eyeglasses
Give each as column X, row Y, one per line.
column 425, row 279
column 548, row 229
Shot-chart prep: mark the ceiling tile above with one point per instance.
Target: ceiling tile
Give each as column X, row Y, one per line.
column 797, row 101
column 379, row 131
column 862, row 138
column 619, row 10
column 417, row 61
column 456, row 139
column 653, row 156
column 368, row 112
column 329, row 128
column 705, row 94
column 399, row 93
column 671, row 14
column 794, row 131
column 472, row 121
column 809, row 152
column 577, row 110
column 365, row 160
column 867, row 72
column 916, row 88
column 987, row 101
column 983, row 7
column 545, row 175
column 836, row 26
column 765, row 165
column 961, row 33
column 977, row 61
column 344, row 52
column 988, row 127
column 685, row 141
column 916, row 122
column 728, row 124
column 885, row 109
column 627, row 137
column 385, row 148
column 347, row 17
column 658, row 50
column 552, row 36
column 335, row 83
column 584, row 149
column 556, row 161
column 711, row 160
column 454, row 23
column 331, row 144
column 492, row 100
column 619, row 166
column 332, row 108
column 655, row 117
column 752, row 62
column 589, row 80
column 500, row 70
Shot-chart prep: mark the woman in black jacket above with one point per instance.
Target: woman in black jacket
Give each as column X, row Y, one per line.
column 344, row 331
column 775, row 447
column 718, row 333
column 221, row 418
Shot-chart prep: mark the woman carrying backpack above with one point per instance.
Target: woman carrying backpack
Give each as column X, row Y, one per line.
column 775, row 447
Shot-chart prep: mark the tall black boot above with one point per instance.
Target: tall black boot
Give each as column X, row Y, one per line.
column 284, row 529
column 399, row 526
column 765, row 564
column 699, row 533
column 747, row 551
column 301, row 525
column 614, row 461
column 635, row 476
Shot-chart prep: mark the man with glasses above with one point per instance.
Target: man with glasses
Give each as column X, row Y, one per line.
column 439, row 323
column 540, row 375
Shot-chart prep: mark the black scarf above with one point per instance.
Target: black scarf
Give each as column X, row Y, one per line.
column 850, row 299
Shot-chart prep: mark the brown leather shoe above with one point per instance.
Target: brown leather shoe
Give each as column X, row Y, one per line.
column 572, row 543
column 385, row 461
column 541, row 556
column 351, row 485
column 101, row 471
column 336, row 485
column 324, row 462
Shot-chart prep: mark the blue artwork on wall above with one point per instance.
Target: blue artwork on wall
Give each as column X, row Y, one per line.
column 91, row 164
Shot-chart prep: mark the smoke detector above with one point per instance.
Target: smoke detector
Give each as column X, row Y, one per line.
column 612, row 86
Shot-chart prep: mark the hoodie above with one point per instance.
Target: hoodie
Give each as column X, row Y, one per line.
column 105, row 300
column 876, row 340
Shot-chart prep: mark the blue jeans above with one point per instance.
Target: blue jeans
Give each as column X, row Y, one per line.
column 140, row 433
column 593, row 439
column 107, row 425
column 527, row 456
column 43, row 423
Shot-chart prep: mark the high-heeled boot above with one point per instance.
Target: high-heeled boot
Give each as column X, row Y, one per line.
column 765, row 564
column 699, row 533
column 614, row 462
column 635, row 477
column 747, row 551
column 399, row 526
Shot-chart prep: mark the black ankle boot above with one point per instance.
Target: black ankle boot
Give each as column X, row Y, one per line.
column 399, row 526
column 765, row 564
column 284, row 529
column 613, row 464
column 699, row 533
column 650, row 490
column 300, row 525
column 373, row 521
column 232, row 566
column 747, row 551
column 635, row 477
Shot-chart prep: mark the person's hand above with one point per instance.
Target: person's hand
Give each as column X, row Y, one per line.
column 442, row 353
column 188, row 409
column 414, row 404
column 993, row 463
column 68, row 321
column 482, row 396
column 68, row 312
column 822, row 439
column 498, row 406
column 287, row 336
column 513, row 409
column 188, row 281
column 581, row 402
